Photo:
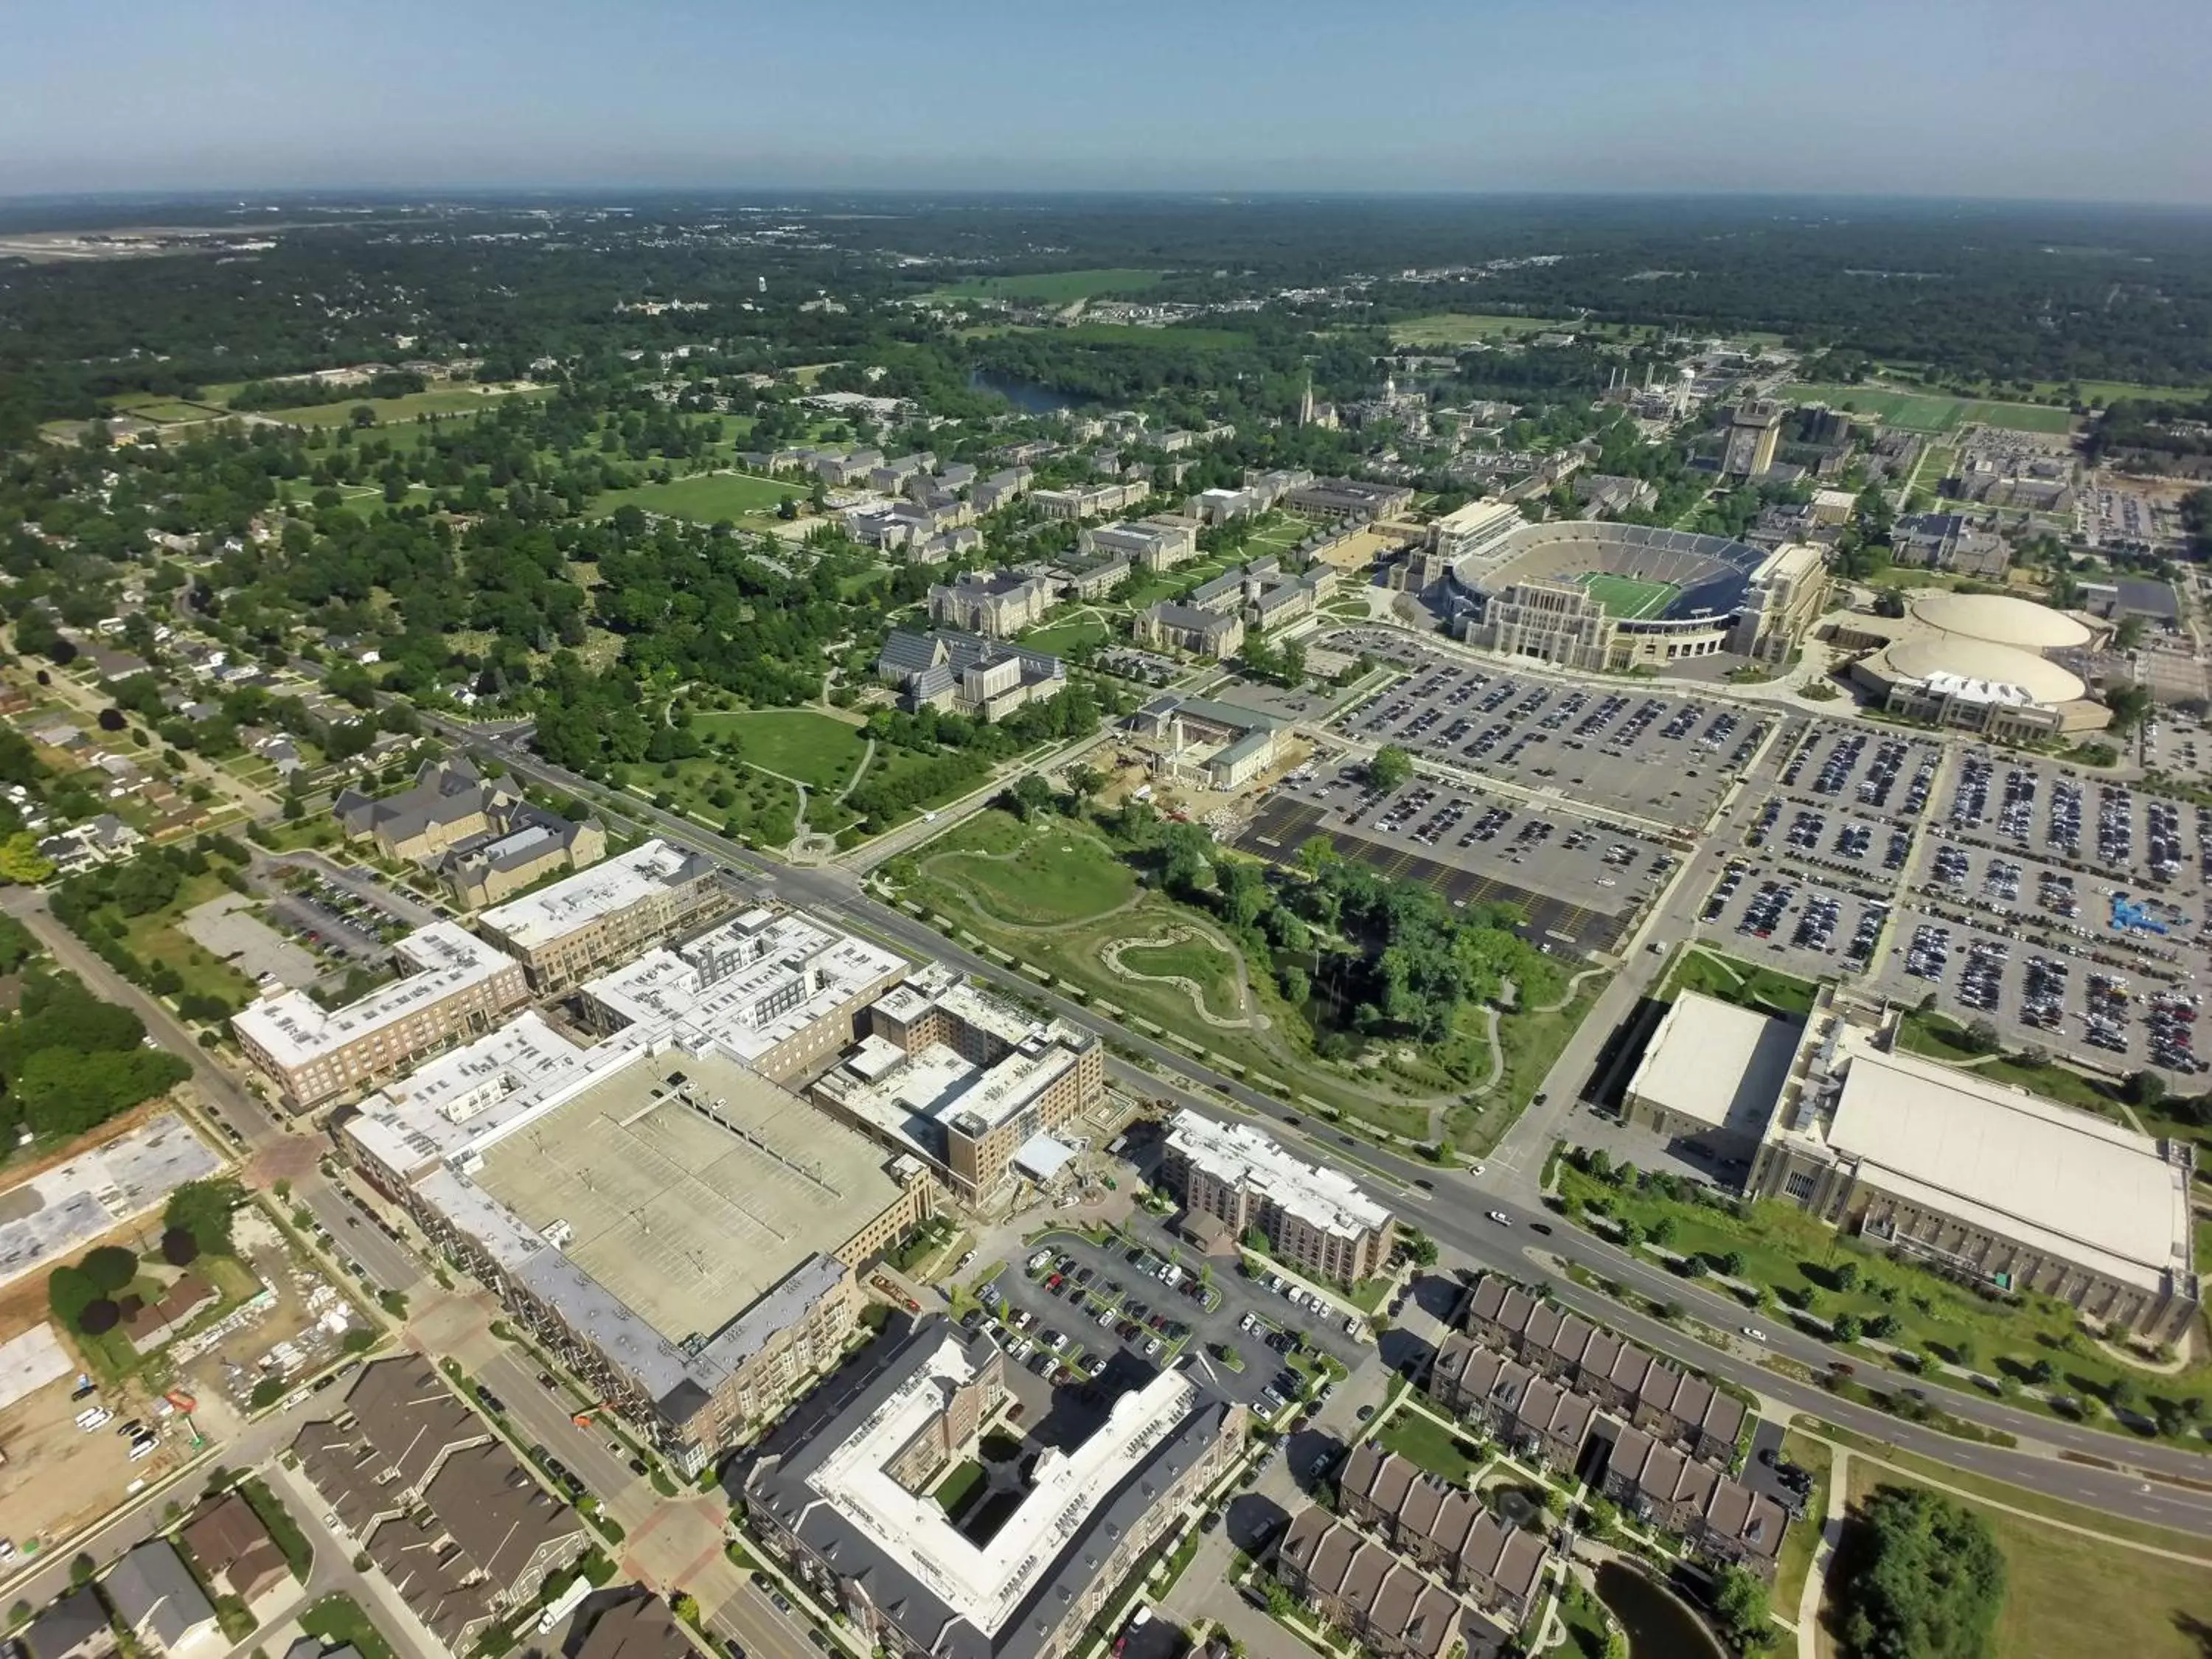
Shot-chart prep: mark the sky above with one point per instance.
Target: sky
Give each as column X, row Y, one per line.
column 2028, row 99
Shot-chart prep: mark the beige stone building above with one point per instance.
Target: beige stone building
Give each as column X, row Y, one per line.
column 564, row 934
column 1314, row 1218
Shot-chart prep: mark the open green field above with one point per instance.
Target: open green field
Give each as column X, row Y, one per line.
column 1038, row 880
column 1745, row 984
column 705, row 498
column 1800, row 1542
column 1201, row 962
column 1931, row 411
column 1058, row 287
column 1053, row 895
column 820, row 751
column 167, row 410
column 736, row 800
column 1065, row 636
column 1278, row 538
column 2067, row 1596
column 339, row 1620
column 1457, row 328
column 443, row 400
column 1630, row 598
column 1421, row 1440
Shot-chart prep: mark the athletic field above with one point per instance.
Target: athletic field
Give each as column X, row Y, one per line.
column 1632, row 598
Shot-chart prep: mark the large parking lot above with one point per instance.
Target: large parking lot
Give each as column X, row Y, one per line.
column 1580, row 883
column 1108, row 1307
column 1652, row 754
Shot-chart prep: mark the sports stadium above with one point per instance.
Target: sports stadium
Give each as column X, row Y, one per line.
column 1591, row 594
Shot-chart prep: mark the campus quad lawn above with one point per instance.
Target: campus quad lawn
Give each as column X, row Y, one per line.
column 2071, row 1597
column 1420, row 1439
column 1063, row 637
column 1058, row 287
column 704, row 498
column 819, row 750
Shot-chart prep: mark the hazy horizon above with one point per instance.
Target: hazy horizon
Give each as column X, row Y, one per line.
column 1968, row 99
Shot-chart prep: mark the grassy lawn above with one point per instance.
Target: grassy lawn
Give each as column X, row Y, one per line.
column 1745, row 984
column 1048, row 904
column 445, row 400
column 1033, row 879
column 1057, row 287
column 299, row 1554
column 1796, row 1256
column 2071, row 1597
column 1200, row 961
column 705, row 497
column 1419, row 1438
column 820, row 751
column 338, row 1619
column 155, row 937
column 1803, row 1537
column 752, row 805
column 962, row 1484
column 167, row 410
column 1063, row 637
column 1932, row 411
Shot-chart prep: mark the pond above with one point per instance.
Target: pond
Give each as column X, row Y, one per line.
column 1028, row 396
column 1659, row 1626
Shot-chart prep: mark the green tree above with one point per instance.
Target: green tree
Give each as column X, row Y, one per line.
column 203, row 1208
column 1390, row 768
column 111, row 1268
column 1740, row 1600
column 1931, row 1581
column 22, row 862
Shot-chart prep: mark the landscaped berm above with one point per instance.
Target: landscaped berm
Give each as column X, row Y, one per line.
column 1097, row 909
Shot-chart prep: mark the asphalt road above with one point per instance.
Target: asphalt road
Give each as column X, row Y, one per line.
column 1453, row 1214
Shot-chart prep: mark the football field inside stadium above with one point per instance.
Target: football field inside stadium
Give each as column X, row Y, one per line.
column 1632, row 598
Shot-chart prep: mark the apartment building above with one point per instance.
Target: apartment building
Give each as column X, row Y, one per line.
column 1315, row 1219
column 1355, row 1584
column 1444, row 1529
column 454, row 986
column 564, row 934
column 1719, row 1517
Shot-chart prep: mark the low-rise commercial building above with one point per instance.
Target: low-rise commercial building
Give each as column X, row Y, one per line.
column 454, row 986
column 1313, row 1218
column 1709, row 1074
column 846, row 1502
column 975, row 1086
column 564, row 934
column 1989, row 1184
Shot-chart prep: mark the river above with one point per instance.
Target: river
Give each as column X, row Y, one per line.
column 1658, row 1626
column 1026, row 395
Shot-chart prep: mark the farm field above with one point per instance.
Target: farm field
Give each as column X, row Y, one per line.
column 2067, row 1596
column 820, row 751
column 1058, row 287
column 1930, row 411
column 1630, row 598
column 704, row 498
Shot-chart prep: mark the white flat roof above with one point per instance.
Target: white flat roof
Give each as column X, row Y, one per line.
column 1240, row 1155
column 293, row 1029
column 452, row 1101
column 750, row 984
column 2018, row 1165
column 1715, row 1062
column 988, row 1583
column 606, row 888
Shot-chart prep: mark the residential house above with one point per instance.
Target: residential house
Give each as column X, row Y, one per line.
column 235, row 1548
column 1354, row 1583
column 74, row 1627
column 638, row 1628
column 1444, row 1529
column 1718, row 1516
column 158, row 1602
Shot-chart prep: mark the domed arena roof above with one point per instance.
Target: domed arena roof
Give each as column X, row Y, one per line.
column 2000, row 619
column 1968, row 659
